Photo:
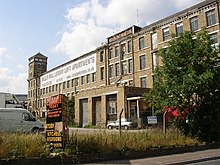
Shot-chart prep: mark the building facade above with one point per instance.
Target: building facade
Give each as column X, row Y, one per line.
column 113, row 78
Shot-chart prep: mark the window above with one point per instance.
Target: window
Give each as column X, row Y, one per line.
column 49, row 89
column 130, row 83
column 130, row 66
column 141, row 43
column 210, row 18
column 143, row 82
column 102, row 73
column 53, row 88
column 68, row 84
column 194, row 26
column 123, row 51
column 56, row 87
column 77, row 81
column 88, row 78
column 111, row 71
column 82, row 80
column 117, row 69
column 214, row 39
column 72, row 82
column 93, row 77
column 123, row 68
column 116, row 51
column 64, row 85
column 129, row 47
column 154, row 43
column 154, row 61
column 142, row 62
column 112, row 107
column 101, row 56
column 179, row 29
column 166, row 34
column 110, row 53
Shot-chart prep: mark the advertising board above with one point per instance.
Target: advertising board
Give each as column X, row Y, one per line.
column 57, row 132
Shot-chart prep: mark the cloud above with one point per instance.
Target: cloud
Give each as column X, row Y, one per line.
column 21, row 67
column 91, row 22
column 2, row 50
column 12, row 83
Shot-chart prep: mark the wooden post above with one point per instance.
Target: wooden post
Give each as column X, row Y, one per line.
column 120, row 121
column 164, row 122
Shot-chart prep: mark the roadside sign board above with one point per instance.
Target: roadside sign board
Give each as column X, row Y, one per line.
column 57, row 131
column 152, row 119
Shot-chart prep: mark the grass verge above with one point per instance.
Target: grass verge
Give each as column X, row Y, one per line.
column 35, row 145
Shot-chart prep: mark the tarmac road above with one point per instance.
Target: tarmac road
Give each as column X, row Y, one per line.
column 206, row 157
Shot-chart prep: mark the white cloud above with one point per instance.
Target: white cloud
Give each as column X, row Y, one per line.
column 12, row 83
column 21, row 67
column 2, row 50
column 91, row 22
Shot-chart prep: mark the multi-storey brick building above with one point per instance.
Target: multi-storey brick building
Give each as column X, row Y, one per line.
column 115, row 75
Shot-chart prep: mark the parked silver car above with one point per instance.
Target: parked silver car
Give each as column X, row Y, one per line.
column 124, row 124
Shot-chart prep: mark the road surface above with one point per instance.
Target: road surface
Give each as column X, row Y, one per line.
column 206, row 157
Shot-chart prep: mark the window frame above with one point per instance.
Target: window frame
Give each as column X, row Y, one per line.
column 166, row 33
column 194, row 22
column 123, row 51
column 111, row 71
column 102, row 73
column 117, row 69
column 179, row 28
column 129, row 46
column 123, row 67
column 142, row 62
column 210, row 18
column 101, row 56
column 143, row 84
column 130, row 65
column 110, row 53
column 116, row 51
column 141, row 43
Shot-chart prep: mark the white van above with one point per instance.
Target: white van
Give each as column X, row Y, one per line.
column 18, row 120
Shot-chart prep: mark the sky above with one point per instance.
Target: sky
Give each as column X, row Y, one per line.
column 65, row 29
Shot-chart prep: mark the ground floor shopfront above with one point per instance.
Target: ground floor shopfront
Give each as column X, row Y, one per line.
column 102, row 105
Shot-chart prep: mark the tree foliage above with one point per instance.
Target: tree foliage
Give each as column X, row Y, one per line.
column 71, row 108
column 189, row 80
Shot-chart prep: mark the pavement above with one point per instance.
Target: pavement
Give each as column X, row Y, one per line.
column 206, row 157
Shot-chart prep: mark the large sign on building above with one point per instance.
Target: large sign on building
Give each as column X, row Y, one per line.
column 78, row 68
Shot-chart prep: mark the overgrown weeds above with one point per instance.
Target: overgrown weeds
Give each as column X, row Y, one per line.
column 32, row 145
column 104, row 141
column 13, row 145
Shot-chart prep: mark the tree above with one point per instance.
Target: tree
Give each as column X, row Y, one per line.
column 71, row 106
column 189, row 80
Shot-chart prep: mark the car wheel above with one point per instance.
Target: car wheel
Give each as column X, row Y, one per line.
column 35, row 130
column 126, row 127
column 109, row 127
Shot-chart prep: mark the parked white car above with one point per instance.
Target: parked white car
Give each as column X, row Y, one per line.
column 124, row 124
